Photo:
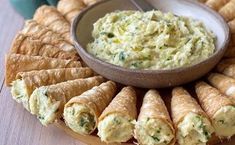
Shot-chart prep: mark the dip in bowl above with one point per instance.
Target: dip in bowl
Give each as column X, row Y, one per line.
column 178, row 49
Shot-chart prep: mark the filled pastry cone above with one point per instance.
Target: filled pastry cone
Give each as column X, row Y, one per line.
column 227, row 68
column 232, row 26
column 216, row 4
column 219, row 108
column 70, row 8
column 16, row 63
column 46, row 35
column 47, row 102
column 90, row 2
column 28, row 45
column 53, row 19
column 154, row 125
column 223, row 83
column 81, row 113
column 228, row 10
column 192, row 125
column 27, row 82
column 116, row 123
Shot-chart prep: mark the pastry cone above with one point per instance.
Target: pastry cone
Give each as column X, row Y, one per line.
column 219, row 108
column 228, row 10
column 90, row 2
column 47, row 102
column 154, row 125
column 232, row 25
column 27, row 82
column 28, row 45
column 226, row 68
column 116, row 123
column 188, row 118
column 81, row 113
column 216, row 4
column 224, row 84
column 70, row 8
column 16, row 63
column 230, row 52
column 53, row 19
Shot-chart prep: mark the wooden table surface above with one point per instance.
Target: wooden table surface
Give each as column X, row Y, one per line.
column 17, row 126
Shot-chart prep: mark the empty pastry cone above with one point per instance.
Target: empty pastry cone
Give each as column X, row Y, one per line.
column 216, row 4
column 96, row 99
column 183, row 103
column 230, row 52
column 227, row 69
column 16, row 63
column 228, row 10
column 223, row 83
column 153, row 107
column 210, row 98
column 58, row 94
column 232, row 25
column 35, row 79
column 46, row 35
column 90, row 2
column 70, row 8
column 53, row 19
column 28, row 45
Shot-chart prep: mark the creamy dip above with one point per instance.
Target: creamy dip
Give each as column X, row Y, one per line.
column 150, row 40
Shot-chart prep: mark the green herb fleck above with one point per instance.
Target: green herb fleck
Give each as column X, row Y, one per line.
column 155, row 138
column 122, row 56
column 222, row 121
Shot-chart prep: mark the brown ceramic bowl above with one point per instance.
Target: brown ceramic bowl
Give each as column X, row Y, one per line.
column 83, row 26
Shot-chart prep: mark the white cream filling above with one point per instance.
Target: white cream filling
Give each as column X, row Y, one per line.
column 153, row 132
column 80, row 119
column 224, row 121
column 19, row 93
column 194, row 130
column 44, row 107
column 115, row 128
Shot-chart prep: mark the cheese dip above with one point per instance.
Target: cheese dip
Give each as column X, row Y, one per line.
column 150, row 40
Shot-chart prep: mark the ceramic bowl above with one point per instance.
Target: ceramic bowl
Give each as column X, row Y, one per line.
column 83, row 25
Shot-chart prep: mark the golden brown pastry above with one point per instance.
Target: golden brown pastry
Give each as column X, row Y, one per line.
column 223, row 83
column 27, row 82
column 216, row 4
column 81, row 113
column 16, row 63
column 228, row 10
column 192, row 125
column 232, row 25
column 230, row 52
column 219, row 108
column 49, row 16
column 227, row 67
column 47, row 102
column 70, row 8
column 116, row 123
column 90, row 2
column 28, row 45
column 154, row 125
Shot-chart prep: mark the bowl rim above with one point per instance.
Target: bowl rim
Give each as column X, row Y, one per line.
column 82, row 51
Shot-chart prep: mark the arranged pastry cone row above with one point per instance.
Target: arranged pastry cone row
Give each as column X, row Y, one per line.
column 81, row 113
column 47, row 102
column 216, row 4
column 28, row 45
column 224, row 84
column 154, row 125
column 232, row 25
column 53, row 19
column 90, row 2
column 16, row 63
column 192, row 125
column 116, row 123
column 227, row 68
column 27, row 82
column 219, row 108
column 70, row 8
column 228, row 10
